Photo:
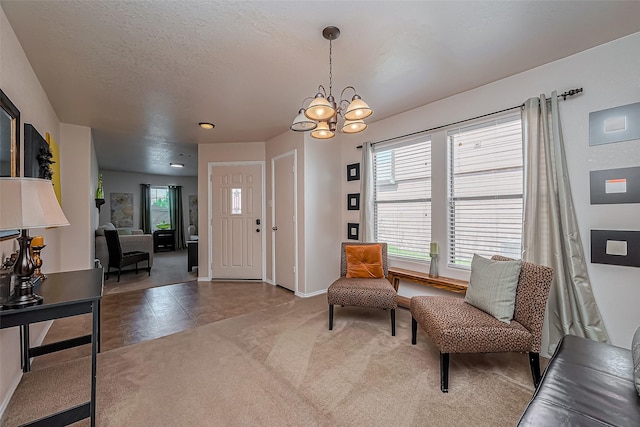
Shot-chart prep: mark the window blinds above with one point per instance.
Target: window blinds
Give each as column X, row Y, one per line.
column 402, row 197
column 485, row 190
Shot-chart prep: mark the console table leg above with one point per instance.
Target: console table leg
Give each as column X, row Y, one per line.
column 95, row 336
column 26, row 362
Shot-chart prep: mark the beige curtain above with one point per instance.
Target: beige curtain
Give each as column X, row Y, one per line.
column 367, row 226
column 551, row 236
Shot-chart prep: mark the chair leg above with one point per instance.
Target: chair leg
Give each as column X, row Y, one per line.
column 534, row 361
column 136, row 268
column 148, row 268
column 444, row 372
column 107, row 274
column 414, row 330
column 393, row 322
column 119, row 271
column 331, row 317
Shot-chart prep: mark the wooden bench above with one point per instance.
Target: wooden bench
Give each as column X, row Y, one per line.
column 446, row 283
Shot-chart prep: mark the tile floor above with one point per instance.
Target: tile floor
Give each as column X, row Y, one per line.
column 141, row 315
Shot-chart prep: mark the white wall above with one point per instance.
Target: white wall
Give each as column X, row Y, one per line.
column 609, row 75
column 76, row 148
column 322, row 207
column 20, row 84
column 127, row 182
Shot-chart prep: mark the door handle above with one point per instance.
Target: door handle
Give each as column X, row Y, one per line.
column 257, row 230
column 274, row 228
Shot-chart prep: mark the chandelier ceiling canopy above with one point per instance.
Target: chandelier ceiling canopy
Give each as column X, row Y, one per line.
column 321, row 115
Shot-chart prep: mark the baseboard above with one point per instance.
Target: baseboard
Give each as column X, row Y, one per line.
column 268, row 281
column 16, row 380
column 10, row 391
column 204, row 279
column 312, row 294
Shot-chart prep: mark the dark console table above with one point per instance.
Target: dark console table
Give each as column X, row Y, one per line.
column 164, row 240
column 64, row 295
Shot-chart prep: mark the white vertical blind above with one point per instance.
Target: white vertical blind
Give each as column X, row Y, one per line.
column 402, row 197
column 485, row 190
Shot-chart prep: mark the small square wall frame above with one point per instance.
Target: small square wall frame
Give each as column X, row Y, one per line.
column 353, row 172
column 353, row 201
column 615, row 247
column 353, row 230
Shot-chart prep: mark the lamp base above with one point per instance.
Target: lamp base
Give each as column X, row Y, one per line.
column 24, row 295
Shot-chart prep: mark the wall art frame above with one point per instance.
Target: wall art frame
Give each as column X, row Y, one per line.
column 617, row 124
column 353, row 172
column 613, row 186
column 9, row 147
column 353, row 230
column 37, row 154
column 615, row 247
column 353, row 201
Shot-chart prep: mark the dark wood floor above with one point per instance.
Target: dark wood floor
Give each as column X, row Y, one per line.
column 141, row 315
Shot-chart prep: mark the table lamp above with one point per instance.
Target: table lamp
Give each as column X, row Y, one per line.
column 27, row 203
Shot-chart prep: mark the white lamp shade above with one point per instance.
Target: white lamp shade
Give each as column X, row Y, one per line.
column 322, row 131
column 353, row 126
column 319, row 109
column 357, row 110
column 29, row 203
column 302, row 124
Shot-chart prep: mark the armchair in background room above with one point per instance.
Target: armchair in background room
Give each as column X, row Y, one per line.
column 130, row 240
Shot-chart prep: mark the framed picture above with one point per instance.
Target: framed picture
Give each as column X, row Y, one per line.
column 37, row 155
column 353, row 172
column 353, row 201
column 611, row 186
column 616, row 124
column 9, row 147
column 353, row 229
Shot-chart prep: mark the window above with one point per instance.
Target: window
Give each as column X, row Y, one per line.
column 485, row 190
column 160, row 218
column 402, row 197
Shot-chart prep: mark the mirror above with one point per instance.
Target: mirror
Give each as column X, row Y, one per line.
column 9, row 146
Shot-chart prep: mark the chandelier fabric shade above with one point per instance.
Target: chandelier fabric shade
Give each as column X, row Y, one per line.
column 321, row 115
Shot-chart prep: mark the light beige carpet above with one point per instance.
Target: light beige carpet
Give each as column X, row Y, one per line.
column 282, row 366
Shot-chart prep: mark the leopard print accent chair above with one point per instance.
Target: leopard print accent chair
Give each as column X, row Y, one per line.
column 375, row 293
column 457, row 327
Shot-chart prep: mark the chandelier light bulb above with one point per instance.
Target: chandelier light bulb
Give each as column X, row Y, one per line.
column 322, row 131
column 301, row 123
column 353, row 126
column 357, row 109
column 319, row 109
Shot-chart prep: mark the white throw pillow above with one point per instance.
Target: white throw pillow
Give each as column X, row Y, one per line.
column 492, row 286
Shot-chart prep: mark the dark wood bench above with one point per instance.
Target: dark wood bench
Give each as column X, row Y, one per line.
column 447, row 283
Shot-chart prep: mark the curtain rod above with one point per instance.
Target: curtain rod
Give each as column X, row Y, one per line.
column 564, row 97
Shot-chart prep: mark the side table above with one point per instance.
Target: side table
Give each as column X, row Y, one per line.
column 192, row 254
column 63, row 295
column 164, row 240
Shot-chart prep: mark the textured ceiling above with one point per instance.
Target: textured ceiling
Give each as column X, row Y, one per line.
column 142, row 74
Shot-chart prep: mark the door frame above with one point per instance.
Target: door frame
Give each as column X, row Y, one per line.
column 263, row 212
column 293, row 153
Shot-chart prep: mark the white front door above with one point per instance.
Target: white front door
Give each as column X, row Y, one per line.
column 236, row 221
column 284, row 221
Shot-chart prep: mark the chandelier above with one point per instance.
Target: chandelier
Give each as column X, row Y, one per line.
column 321, row 115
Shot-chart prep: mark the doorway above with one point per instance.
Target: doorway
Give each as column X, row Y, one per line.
column 236, row 211
column 284, row 227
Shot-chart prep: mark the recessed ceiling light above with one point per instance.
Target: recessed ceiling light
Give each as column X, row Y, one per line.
column 176, row 165
column 206, row 125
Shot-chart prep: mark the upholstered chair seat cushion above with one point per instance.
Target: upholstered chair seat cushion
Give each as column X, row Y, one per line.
column 453, row 325
column 377, row 293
